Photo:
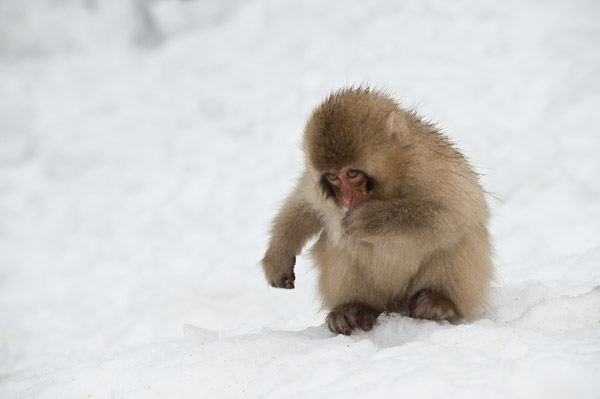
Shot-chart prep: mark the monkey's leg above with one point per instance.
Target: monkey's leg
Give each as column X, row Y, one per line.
column 344, row 318
column 432, row 305
column 452, row 283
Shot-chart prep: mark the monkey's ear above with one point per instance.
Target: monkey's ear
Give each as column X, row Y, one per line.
column 396, row 127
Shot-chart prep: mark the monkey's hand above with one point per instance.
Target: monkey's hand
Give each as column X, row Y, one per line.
column 383, row 218
column 369, row 219
column 279, row 270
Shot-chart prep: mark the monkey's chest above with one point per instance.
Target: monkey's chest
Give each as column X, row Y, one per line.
column 389, row 264
column 383, row 268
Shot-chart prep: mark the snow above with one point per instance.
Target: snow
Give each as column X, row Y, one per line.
column 145, row 145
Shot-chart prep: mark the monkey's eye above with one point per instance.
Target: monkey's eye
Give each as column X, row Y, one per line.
column 331, row 176
column 352, row 173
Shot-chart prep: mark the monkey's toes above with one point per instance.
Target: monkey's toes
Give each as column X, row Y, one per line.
column 366, row 321
column 339, row 324
column 344, row 321
column 429, row 305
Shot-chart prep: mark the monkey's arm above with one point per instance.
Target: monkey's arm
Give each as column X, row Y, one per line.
column 401, row 217
column 295, row 224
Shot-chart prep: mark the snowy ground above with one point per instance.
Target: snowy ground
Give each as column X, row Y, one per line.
column 144, row 146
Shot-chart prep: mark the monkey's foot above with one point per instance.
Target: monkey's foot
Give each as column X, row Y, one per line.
column 343, row 319
column 430, row 305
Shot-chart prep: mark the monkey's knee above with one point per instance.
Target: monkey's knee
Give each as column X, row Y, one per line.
column 431, row 305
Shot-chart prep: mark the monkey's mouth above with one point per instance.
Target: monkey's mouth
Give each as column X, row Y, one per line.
column 350, row 199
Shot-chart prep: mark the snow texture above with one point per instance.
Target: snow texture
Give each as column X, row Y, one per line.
column 145, row 145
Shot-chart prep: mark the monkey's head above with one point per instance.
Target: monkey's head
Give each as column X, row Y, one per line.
column 352, row 143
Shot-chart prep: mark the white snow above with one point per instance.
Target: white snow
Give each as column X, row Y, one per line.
column 145, row 145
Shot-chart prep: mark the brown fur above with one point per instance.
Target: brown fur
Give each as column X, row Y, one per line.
column 419, row 244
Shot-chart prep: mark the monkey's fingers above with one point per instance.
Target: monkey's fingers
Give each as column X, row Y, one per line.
column 359, row 222
column 286, row 281
column 349, row 225
column 288, row 284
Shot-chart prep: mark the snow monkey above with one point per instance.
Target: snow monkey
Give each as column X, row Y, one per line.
column 400, row 216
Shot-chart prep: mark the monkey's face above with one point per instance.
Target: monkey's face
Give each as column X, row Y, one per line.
column 349, row 187
column 352, row 143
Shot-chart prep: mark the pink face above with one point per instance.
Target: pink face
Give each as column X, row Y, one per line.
column 349, row 186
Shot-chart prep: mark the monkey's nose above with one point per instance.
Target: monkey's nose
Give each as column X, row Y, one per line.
column 348, row 202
